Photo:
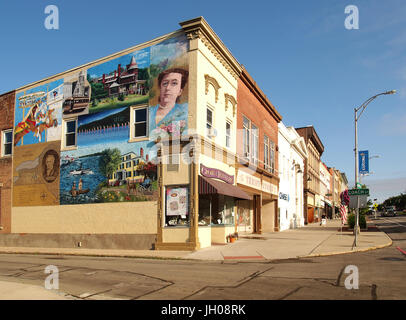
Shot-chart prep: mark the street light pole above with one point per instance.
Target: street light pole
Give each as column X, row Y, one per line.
column 356, row 118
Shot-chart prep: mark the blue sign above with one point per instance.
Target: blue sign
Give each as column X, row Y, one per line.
column 363, row 163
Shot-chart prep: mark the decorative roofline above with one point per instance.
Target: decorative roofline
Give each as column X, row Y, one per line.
column 198, row 28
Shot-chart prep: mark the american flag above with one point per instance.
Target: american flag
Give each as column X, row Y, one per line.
column 343, row 211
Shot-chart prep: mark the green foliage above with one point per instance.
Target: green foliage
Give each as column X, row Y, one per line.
column 109, row 161
column 351, row 221
column 121, row 97
column 98, row 91
column 398, row 201
column 143, row 74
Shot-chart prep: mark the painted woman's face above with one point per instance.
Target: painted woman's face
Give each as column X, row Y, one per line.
column 170, row 88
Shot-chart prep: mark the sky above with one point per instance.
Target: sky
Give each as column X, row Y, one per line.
column 311, row 67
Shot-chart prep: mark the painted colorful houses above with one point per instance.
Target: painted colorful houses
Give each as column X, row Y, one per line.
column 177, row 150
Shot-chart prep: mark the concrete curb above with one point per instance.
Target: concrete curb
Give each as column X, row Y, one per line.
column 347, row 252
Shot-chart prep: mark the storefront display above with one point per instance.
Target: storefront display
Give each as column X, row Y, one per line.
column 177, row 208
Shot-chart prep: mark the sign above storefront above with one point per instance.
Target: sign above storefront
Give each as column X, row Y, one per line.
column 256, row 183
column 216, row 174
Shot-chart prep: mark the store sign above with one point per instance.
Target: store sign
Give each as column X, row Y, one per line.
column 283, row 196
column 256, row 183
column 216, row 174
column 249, row 180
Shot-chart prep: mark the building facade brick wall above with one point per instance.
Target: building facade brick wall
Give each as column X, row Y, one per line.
column 6, row 122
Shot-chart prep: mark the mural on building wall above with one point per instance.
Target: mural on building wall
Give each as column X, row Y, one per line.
column 115, row 156
column 120, row 82
column 110, row 165
column 36, row 174
column 38, row 114
column 76, row 94
column 168, row 112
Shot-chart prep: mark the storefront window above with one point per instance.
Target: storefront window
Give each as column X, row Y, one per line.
column 177, row 206
column 225, row 212
column 244, row 213
column 204, row 210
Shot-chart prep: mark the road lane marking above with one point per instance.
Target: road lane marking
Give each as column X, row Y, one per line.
column 395, row 223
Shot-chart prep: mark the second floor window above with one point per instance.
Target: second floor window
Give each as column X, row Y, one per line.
column 255, row 144
column 267, row 162
column 272, row 156
column 140, row 122
column 209, row 121
column 269, row 154
column 228, row 134
column 7, row 139
column 70, row 133
column 246, row 124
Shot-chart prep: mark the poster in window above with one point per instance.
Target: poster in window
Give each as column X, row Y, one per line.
column 177, row 201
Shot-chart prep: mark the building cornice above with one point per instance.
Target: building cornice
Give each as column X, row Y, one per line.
column 7, row 93
column 198, row 28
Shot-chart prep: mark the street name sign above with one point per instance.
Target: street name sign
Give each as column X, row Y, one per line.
column 358, row 192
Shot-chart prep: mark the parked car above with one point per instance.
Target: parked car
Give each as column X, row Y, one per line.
column 388, row 213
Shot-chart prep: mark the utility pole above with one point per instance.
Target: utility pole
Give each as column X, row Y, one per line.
column 356, row 118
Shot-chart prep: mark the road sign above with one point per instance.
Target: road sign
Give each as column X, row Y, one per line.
column 358, row 192
column 357, row 201
column 375, row 206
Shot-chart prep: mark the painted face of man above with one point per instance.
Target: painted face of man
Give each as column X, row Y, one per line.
column 170, row 88
column 49, row 162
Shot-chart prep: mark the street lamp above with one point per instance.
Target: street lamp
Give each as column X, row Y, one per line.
column 356, row 118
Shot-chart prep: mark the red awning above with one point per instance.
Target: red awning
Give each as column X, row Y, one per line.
column 212, row 186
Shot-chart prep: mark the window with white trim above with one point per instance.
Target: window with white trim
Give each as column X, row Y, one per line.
column 228, row 134
column 7, row 142
column 255, row 144
column 209, row 121
column 272, row 156
column 267, row 162
column 269, row 154
column 140, row 122
column 246, row 124
column 70, row 133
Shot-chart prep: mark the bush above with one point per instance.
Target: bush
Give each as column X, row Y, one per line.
column 351, row 221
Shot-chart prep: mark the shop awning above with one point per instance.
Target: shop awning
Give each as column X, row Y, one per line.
column 212, row 186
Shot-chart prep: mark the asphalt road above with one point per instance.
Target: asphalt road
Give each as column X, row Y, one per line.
column 380, row 275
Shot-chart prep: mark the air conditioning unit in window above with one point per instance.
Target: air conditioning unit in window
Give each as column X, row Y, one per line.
column 212, row 133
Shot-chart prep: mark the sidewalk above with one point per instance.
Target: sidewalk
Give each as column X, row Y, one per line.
column 310, row 240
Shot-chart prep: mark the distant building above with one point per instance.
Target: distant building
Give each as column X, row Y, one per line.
column 311, row 179
column 292, row 157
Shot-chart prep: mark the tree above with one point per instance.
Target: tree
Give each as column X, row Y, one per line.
column 109, row 161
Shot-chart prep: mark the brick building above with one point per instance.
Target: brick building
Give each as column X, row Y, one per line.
column 257, row 124
column 6, row 126
column 311, row 177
